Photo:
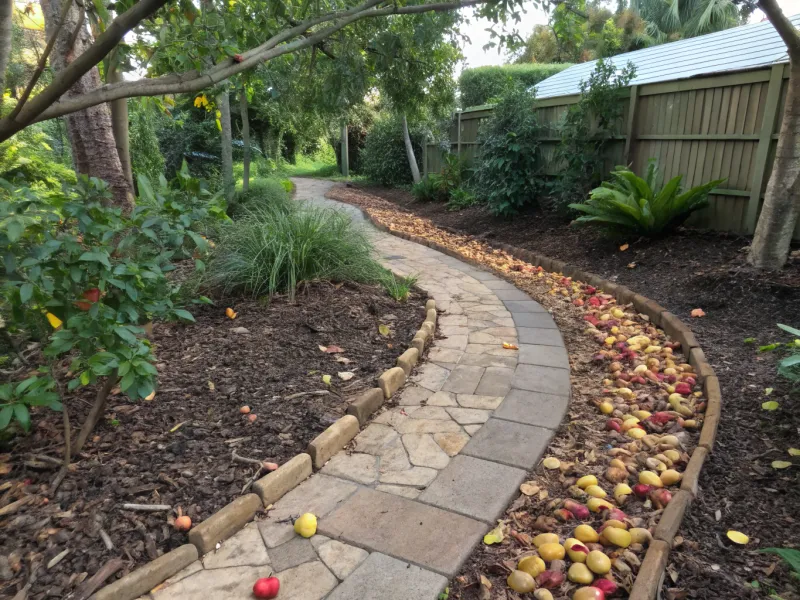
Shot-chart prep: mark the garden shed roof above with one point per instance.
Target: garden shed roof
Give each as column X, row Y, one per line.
column 737, row 49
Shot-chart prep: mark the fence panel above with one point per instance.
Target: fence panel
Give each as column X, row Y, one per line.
column 720, row 127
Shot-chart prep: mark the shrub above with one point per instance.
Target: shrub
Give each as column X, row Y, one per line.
column 83, row 278
column 789, row 365
column 383, row 159
column 635, row 205
column 429, row 189
column 28, row 159
column 262, row 194
column 145, row 119
column 460, row 199
column 586, row 131
column 269, row 252
column 508, row 173
column 483, row 85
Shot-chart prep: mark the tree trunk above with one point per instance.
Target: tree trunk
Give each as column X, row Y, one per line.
column 120, row 124
column 781, row 209
column 245, row 140
column 90, row 132
column 224, row 105
column 278, row 148
column 6, row 15
column 412, row 160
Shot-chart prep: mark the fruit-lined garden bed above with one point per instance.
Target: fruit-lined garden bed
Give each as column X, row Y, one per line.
column 178, row 449
column 402, row 220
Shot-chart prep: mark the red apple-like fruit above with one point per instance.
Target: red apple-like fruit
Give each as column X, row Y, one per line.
column 267, row 587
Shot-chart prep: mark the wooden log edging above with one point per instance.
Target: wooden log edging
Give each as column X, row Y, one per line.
column 652, row 571
column 232, row 517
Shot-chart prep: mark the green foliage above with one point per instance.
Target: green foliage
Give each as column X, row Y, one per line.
column 507, row 176
column 262, row 194
column 461, row 198
column 439, row 187
column 146, row 157
column 28, row 159
column 383, row 159
column 634, row 205
column 268, row 252
column 789, row 365
column 398, row 287
column 318, row 165
column 790, row 555
column 83, row 278
column 483, row 85
column 586, row 131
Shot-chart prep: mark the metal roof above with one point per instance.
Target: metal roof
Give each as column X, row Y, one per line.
column 737, row 49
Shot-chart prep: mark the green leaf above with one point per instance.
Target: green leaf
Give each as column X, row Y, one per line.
column 5, row 416
column 14, row 230
column 125, row 334
column 127, row 381
column 25, row 292
column 23, row 416
column 184, row 314
column 791, row 330
column 95, row 257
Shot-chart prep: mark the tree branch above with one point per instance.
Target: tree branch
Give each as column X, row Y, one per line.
column 6, row 19
column 783, row 26
column 193, row 81
column 62, row 82
column 42, row 60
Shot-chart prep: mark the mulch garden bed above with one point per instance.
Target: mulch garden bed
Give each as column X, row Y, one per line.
column 691, row 269
column 178, row 449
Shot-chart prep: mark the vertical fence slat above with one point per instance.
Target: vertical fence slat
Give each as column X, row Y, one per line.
column 764, row 141
column 630, row 133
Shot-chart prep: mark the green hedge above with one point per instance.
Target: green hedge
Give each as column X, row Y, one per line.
column 383, row 158
column 483, row 85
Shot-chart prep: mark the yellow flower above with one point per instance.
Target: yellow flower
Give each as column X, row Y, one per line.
column 201, row 101
column 54, row 321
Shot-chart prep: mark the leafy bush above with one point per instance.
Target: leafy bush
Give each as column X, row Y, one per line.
column 507, row 176
column 635, row 205
column 789, row 365
column 439, row 187
column 383, row 159
column 429, row 189
column 83, row 278
column 146, row 157
column 483, row 85
column 262, row 194
column 461, row 198
column 269, row 252
column 586, row 131
column 28, row 159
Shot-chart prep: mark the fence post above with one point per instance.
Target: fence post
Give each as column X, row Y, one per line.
column 425, row 155
column 764, row 143
column 630, row 134
column 345, row 152
column 458, row 146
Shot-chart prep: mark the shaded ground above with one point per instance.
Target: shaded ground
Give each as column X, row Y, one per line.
column 177, row 449
column 689, row 270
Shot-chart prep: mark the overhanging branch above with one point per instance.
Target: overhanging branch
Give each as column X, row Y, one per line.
column 44, row 105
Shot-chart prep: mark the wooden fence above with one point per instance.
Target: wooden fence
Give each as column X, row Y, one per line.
column 725, row 126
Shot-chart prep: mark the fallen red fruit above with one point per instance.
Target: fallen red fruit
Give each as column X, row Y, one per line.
column 577, row 509
column 590, row 289
column 660, row 418
column 267, row 587
column 660, row 497
column 612, row 424
column 683, row 389
column 550, row 579
column 594, row 301
column 642, row 489
column 617, row 515
column 609, row 587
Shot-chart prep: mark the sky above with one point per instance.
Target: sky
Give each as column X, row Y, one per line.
column 476, row 56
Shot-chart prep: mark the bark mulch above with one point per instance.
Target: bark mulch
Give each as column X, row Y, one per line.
column 177, row 449
column 690, row 269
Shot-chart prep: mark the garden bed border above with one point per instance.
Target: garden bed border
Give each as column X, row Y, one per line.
column 231, row 518
column 653, row 569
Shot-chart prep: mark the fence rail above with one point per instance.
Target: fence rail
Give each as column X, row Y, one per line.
column 720, row 127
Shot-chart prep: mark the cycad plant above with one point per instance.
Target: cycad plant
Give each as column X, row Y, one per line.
column 635, row 205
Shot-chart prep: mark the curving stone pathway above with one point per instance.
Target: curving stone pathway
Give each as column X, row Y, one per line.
column 425, row 480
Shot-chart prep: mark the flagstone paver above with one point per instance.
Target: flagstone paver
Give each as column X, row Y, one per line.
column 401, row 508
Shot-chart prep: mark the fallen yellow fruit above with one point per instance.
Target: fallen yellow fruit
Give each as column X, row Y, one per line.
column 306, row 525
column 532, row 565
column 551, row 552
column 598, row 562
column 737, row 537
column 586, row 534
column 521, row 582
column 551, row 462
column 580, row 573
column 586, row 481
column 545, row 538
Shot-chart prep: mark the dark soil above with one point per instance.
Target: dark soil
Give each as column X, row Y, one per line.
column 693, row 269
column 177, row 449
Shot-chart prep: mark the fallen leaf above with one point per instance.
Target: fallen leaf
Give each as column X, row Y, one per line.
column 508, row 346
column 230, row 313
column 486, row 588
column 331, row 349
column 326, row 379
column 528, row 488
column 384, row 330
column 178, row 426
column 771, row 405
column 345, row 375
column 495, row 536
column 768, row 391
column 211, row 386
column 632, row 265
column 794, row 451
column 343, row 360
column 737, row 537
column 698, row 312
column 781, row 464
column 150, row 396
column 623, row 247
